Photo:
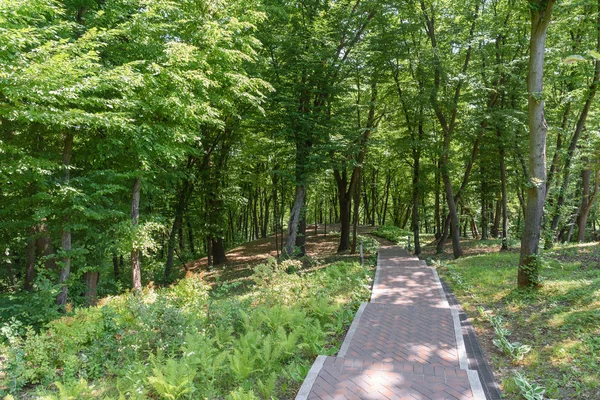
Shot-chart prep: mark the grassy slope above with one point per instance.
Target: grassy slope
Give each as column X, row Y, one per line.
column 560, row 320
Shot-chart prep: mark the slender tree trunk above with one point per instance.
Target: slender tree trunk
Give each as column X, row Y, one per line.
column 344, row 200
column 90, row 279
column 136, row 269
column 209, row 252
column 116, row 270
column 541, row 13
column 374, row 195
column 386, row 197
column 497, row 219
column 406, row 217
column 294, row 221
column 437, row 213
column 301, row 237
column 504, row 198
column 447, row 124
column 61, row 299
column 218, row 248
column 275, row 200
column 416, row 155
column 255, row 218
column 177, row 225
column 444, row 235
column 10, row 270
column 591, row 94
column 484, row 211
column 190, row 232
column 30, row 262
column 356, row 214
column 588, row 198
column 454, row 222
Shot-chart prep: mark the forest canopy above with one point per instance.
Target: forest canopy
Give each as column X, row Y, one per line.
column 137, row 135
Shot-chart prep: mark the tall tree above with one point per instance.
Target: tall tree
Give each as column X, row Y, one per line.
column 541, row 14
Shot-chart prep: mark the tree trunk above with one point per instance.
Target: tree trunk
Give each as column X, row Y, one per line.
column 497, row 219
column 61, row 299
column 30, row 262
column 90, row 278
column 528, row 275
column 356, row 214
column 374, row 174
column 437, row 213
column 587, row 201
column 454, row 223
column 116, row 271
column 504, row 198
column 10, row 270
column 416, row 154
column 301, row 237
column 344, row 200
column 218, row 251
column 190, row 232
column 444, row 235
column 484, row 211
column 294, row 221
column 177, row 227
column 591, row 94
column 136, row 269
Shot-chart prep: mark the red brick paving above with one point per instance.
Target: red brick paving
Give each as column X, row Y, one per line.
column 403, row 346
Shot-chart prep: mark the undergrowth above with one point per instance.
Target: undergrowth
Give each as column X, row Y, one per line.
column 188, row 341
column 554, row 351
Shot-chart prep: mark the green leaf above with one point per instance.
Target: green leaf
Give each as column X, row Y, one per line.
column 574, row 58
column 594, row 54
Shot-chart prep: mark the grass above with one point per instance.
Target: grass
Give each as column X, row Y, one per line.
column 560, row 320
column 399, row 236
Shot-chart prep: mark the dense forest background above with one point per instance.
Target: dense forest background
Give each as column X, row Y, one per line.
column 136, row 135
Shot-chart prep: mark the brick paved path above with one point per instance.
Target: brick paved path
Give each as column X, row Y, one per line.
column 405, row 344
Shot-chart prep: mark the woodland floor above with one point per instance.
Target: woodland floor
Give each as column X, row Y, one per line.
column 564, row 354
column 319, row 245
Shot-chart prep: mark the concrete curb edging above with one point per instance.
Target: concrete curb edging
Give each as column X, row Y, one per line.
column 476, row 387
column 463, row 360
column 351, row 331
column 441, row 288
column 311, row 377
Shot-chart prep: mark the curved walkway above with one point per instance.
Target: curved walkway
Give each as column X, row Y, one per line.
column 406, row 343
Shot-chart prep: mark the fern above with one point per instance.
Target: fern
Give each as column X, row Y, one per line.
column 174, row 379
column 266, row 389
column 75, row 390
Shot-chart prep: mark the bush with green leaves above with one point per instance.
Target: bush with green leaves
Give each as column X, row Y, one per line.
column 185, row 342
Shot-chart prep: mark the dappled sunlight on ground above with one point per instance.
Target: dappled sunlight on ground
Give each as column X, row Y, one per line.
column 242, row 259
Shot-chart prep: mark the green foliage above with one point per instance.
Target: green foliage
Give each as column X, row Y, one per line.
column 185, row 342
column 173, row 379
column 529, row 390
column 558, row 321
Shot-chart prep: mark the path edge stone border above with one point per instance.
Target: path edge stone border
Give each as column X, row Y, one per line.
column 476, row 386
column 351, row 331
column 311, row 377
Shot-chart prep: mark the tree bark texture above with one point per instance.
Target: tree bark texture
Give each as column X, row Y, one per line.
column 294, row 222
column 136, row 268
column 588, row 197
column 61, row 299
column 541, row 13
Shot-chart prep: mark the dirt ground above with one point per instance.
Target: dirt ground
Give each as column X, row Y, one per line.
column 321, row 243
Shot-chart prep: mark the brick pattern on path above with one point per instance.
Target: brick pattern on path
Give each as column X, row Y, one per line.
column 402, row 345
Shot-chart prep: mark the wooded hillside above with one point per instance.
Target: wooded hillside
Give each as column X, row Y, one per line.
column 137, row 135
